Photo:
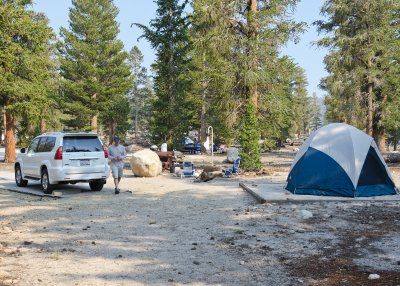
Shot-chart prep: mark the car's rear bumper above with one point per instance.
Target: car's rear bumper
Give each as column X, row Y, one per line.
column 59, row 175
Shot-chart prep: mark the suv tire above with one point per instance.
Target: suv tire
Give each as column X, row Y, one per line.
column 96, row 186
column 45, row 182
column 18, row 177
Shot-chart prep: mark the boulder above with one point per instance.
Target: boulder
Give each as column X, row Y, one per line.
column 232, row 154
column 146, row 163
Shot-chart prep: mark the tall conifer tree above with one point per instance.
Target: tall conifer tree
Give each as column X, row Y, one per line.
column 174, row 109
column 241, row 73
column 93, row 64
column 25, row 66
column 141, row 93
column 360, row 34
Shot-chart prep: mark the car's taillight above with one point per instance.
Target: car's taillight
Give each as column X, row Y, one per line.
column 58, row 155
column 105, row 152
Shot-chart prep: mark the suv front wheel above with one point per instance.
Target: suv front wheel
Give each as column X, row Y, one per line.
column 96, row 186
column 18, row 177
column 45, row 182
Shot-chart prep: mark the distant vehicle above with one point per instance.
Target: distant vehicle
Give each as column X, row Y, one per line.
column 61, row 158
column 188, row 145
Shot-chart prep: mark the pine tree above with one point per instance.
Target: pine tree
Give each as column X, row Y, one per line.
column 301, row 104
column 213, row 73
column 25, row 66
column 238, row 69
column 174, row 109
column 360, row 33
column 316, row 117
column 140, row 94
column 93, row 65
column 263, row 29
column 249, row 138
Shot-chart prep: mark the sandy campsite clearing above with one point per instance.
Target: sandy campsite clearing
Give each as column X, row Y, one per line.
column 172, row 231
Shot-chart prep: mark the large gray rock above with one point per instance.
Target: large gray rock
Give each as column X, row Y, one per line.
column 146, row 163
column 232, row 154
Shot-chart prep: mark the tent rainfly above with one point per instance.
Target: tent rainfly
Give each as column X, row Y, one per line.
column 340, row 160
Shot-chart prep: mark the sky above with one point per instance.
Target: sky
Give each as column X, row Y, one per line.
column 309, row 57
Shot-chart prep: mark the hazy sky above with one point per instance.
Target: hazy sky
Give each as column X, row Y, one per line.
column 142, row 11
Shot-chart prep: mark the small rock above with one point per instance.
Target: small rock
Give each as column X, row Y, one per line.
column 170, row 280
column 94, row 242
column 28, row 242
column 373, row 276
column 7, row 282
column 6, row 229
column 241, row 262
column 196, row 262
column 212, row 238
column 4, row 274
column 306, row 214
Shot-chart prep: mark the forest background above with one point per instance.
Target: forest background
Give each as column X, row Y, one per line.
column 216, row 64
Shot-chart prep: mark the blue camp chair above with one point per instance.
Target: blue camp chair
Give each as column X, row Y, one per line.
column 234, row 170
column 187, row 169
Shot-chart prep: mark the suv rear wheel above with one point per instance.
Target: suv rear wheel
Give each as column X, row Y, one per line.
column 18, row 177
column 45, row 182
column 96, row 186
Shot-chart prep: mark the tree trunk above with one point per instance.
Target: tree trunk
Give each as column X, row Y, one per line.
column 10, row 155
column 253, row 5
column 43, row 126
column 370, row 111
column 3, row 127
column 254, row 62
column 93, row 123
column 111, row 132
column 203, row 118
column 93, row 120
column 370, row 107
column 381, row 142
column 136, row 119
column 379, row 129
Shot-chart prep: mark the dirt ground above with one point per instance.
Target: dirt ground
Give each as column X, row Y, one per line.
column 172, row 231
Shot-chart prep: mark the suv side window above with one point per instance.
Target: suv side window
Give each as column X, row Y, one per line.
column 42, row 145
column 46, row 144
column 51, row 141
column 33, row 147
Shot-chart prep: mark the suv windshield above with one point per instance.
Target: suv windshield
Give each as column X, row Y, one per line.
column 82, row 144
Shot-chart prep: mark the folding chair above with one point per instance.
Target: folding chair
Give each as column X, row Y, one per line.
column 187, row 169
column 234, row 170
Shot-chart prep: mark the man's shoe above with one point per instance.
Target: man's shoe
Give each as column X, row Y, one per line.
column 116, row 191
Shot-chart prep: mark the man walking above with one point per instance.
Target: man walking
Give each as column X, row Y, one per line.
column 116, row 153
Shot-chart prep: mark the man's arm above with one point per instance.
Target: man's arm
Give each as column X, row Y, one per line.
column 110, row 154
column 123, row 153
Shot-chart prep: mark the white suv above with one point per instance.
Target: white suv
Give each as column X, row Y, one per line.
column 61, row 158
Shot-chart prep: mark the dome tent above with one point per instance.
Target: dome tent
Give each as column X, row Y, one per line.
column 340, row 160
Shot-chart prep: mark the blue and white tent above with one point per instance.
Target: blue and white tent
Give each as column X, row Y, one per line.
column 340, row 160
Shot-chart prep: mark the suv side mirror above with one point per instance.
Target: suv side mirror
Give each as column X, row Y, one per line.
column 22, row 150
